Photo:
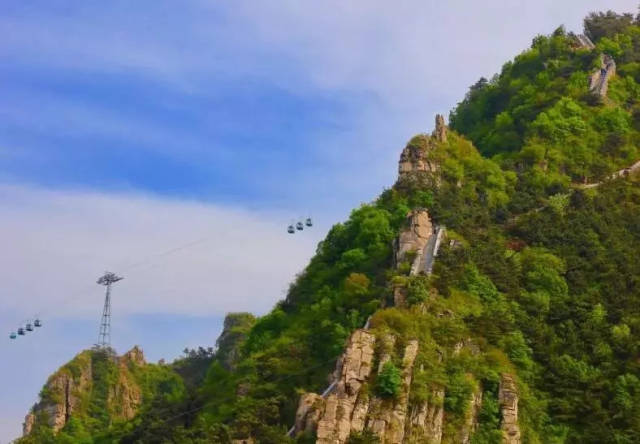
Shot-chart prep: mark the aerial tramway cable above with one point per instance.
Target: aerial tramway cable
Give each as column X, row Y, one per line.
column 26, row 325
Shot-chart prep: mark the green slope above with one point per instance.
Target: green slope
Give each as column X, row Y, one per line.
column 543, row 278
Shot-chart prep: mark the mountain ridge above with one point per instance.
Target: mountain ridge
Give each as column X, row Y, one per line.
column 523, row 330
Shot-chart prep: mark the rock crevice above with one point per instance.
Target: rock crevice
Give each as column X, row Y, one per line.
column 68, row 391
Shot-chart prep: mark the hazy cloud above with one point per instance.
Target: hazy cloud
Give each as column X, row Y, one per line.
column 178, row 257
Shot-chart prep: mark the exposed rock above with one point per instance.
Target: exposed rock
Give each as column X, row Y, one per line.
column 29, row 422
column 399, row 295
column 387, row 418
column 126, row 395
column 414, row 238
column 599, row 81
column 359, row 417
column 420, row 243
column 415, row 160
column 426, row 419
column 308, row 413
column 61, row 395
column 235, row 330
column 67, row 392
column 243, row 441
column 387, row 344
column 440, row 133
column 135, row 355
column 334, row 425
column 583, row 42
column 508, row 398
column 395, row 431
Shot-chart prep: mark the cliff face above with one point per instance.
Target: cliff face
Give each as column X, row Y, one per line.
column 416, row 162
column 61, row 395
column 91, row 378
column 515, row 325
column 236, row 327
column 509, row 408
column 351, row 406
column 354, row 405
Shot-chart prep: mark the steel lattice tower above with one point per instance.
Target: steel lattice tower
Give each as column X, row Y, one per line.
column 104, row 338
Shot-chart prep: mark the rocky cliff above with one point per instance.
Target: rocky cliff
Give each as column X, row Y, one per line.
column 417, row 164
column 62, row 395
column 236, row 327
column 352, row 407
column 95, row 382
column 516, row 325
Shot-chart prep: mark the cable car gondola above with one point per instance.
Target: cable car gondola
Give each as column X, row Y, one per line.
column 291, row 230
column 308, row 222
column 37, row 323
column 300, row 226
column 29, row 327
column 21, row 331
column 13, row 335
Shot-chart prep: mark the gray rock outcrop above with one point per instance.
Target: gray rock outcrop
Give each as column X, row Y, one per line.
column 508, row 398
column 67, row 391
column 584, row 42
column 416, row 160
column 308, row 413
column 387, row 418
column 440, row 133
column 426, row 419
column 349, row 409
column 235, row 330
column 62, row 396
column 414, row 238
column 335, row 422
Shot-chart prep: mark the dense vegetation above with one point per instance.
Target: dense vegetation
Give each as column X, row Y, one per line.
column 538, row 114
column 100, row 384
column 543, row 277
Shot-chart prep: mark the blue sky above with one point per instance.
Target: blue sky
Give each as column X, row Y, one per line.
column 129, row 128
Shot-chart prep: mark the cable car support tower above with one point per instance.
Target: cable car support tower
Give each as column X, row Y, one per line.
column 104, row 338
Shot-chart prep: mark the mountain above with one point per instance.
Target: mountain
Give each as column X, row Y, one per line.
column 490, row 296
column 94, row 390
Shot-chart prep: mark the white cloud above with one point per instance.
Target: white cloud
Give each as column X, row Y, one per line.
column 404, row 61
column 399, row 50
column 60, row 242
column 409, row 59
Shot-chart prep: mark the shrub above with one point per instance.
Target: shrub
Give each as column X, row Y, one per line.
column 365, row 437
column 389, row 381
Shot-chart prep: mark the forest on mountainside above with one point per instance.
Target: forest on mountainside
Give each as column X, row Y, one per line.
column 542, row 276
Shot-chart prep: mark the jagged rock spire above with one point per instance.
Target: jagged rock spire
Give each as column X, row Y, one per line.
column 440, row 133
